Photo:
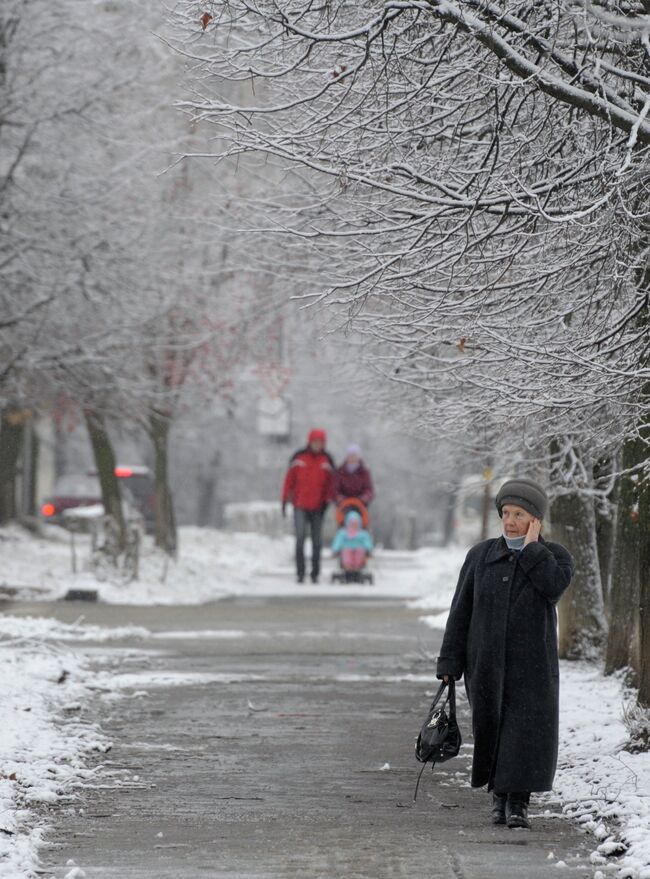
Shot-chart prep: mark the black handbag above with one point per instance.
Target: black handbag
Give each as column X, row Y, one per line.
column 440, row 737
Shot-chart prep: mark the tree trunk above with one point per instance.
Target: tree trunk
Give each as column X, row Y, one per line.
column 573, row 521
column 105, row 463
column 165, row 533
column 581, row 609
column 449, row 514
column 30, row 452
column 486, row 502
column 206, row 492
column 11, row 431
column 644, row 583
column 605, row 524
column 623, row 640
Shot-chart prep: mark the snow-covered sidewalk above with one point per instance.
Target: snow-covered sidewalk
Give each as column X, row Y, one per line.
column 213, row 565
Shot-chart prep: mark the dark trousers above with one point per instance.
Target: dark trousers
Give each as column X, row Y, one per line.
column 312, row 519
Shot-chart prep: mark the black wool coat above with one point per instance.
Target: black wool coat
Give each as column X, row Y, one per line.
column 502, row 636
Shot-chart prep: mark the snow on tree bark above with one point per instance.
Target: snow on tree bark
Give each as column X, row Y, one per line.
column 623, row 641
column 573, row 523
column 644, row 578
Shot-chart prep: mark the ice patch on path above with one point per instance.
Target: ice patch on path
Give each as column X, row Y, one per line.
column 291, row 634
column 42, row 628
column 384, row 679
column 190, row 634
column 137, row 680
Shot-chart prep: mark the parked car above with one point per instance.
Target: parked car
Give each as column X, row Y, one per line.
column 140, row 483
column 83, row 490
column 71, row 490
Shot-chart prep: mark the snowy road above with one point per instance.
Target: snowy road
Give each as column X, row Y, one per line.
column 274, row 738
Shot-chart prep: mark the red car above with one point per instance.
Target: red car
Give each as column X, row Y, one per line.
column 83, row 490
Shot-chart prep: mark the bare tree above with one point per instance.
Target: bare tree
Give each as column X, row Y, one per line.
column 470, row 182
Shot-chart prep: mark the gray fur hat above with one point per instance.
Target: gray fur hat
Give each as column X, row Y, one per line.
column 524, row 493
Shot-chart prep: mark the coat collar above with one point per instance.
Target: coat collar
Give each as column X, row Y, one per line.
column 499, row 550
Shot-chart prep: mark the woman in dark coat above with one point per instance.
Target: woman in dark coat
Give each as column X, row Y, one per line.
column 353, row 478
column 502, row 636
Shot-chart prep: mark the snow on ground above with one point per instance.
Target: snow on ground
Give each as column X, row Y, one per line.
column 604, row 788
column 215, row 564
column 43, row 740
column 435, row 620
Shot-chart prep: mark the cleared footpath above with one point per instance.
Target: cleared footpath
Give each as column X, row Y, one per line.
column 273, row 739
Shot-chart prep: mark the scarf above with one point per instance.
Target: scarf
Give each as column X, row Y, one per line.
column 516, row 543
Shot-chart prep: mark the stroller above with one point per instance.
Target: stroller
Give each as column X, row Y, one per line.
column 352, row 542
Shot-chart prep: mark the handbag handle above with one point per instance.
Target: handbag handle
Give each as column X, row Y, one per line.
column 441, row 689
column 450, row 698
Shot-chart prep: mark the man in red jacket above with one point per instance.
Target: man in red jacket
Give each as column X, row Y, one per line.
column 308, row 486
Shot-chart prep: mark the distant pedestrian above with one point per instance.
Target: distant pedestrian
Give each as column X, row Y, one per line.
column 308, row 486
column 353, row 478
column 501, row 635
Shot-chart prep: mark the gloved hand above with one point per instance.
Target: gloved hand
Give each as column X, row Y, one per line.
column 284, row 509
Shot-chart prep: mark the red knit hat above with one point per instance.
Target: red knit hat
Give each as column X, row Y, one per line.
column 317, row 434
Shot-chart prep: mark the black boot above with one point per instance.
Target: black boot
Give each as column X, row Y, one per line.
column 499, row 808
column 517, row 809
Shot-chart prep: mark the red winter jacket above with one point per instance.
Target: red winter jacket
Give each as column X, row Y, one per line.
column 356, row 484
column 308, row 483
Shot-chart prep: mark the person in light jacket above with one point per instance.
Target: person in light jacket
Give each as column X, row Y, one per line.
column 502, row 636
column 352, row 543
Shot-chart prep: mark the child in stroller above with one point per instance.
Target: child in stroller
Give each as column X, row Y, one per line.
column 352, row 543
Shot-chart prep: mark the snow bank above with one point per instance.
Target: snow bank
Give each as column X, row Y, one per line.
column 436, row 621
column 215, row 564
column 601, row 786
column 43, row 743
column 444, row 567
